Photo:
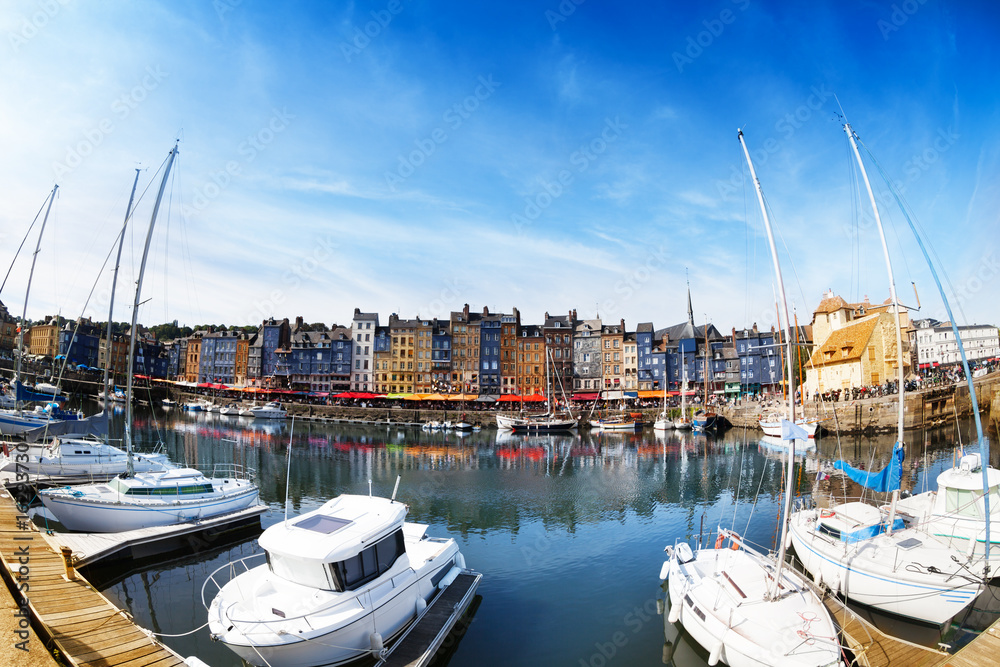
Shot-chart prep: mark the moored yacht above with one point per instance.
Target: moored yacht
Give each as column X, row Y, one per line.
column 339, row 583
column 147, row 499
column 82, row 457
column 271, row 410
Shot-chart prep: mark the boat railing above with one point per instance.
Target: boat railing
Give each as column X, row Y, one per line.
column 232, row 471
column 233, row 569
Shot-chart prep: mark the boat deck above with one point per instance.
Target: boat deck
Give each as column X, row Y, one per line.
column 421, row 641
column 86, row 628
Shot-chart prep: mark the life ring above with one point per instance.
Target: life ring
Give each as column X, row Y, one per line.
column 826, row 514
column 720, row 540
column 734, row 541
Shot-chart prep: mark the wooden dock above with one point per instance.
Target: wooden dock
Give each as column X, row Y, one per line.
column 89, row 548
column 872, row 647
column 983, row 650
column 421, row 641
column 71, row 615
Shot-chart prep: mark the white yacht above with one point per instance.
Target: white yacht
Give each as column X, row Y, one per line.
column 148, row 499
column 339, row 583
column 271, row 410
column 771, row 425
column 82, row 457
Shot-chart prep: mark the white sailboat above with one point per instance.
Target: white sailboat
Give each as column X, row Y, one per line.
column 745, row 607
column 139, row 500
column 867, row 553
column 682, row 423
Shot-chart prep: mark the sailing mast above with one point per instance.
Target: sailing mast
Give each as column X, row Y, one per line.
column 27, row 291
column 114, row 284
column 135, row 313
column 788, row 361
column 895, row 306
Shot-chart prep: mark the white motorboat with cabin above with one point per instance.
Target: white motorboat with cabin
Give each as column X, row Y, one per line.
column 339, row 583
column 87, row 457
column 270, row 410
column 771, row 425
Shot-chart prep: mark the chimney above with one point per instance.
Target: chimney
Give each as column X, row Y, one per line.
column 298, row 322
column 357, row 311
column 623, row 325
column 546, row 314
column 486, row 310
column 465, row 312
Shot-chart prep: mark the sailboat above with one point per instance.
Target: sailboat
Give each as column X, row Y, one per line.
column 663, row 421
column 705, row 418
column 867, row 553
column 143, row 499
column 90, row 457
column 49, row 420
column 745, row 607
column 682, row 423
column 549, row 422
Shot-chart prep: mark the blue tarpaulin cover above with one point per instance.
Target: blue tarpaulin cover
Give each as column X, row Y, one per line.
column 26, row 395
column 884, row 481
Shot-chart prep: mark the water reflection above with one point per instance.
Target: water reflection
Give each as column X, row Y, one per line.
column 567, row 529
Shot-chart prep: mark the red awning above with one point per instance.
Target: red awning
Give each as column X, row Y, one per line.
column 585, row 397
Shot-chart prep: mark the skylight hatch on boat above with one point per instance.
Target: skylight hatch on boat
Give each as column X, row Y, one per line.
column 322, row 523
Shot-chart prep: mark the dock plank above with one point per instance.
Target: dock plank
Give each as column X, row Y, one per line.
column 419, row 644
column 85, row 626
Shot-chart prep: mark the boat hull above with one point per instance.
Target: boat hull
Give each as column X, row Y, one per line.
column 87, row 515
column 878, row 573
column 720, row 599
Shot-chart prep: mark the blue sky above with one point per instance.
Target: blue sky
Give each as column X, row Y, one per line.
column 411, row 157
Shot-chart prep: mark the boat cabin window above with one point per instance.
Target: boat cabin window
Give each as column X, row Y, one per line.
column 301, row 571
column 964, row 502
column 828, row 530
column 373, row 562
column 161, row 490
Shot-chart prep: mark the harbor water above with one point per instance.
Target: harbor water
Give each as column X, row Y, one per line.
column 568, row 530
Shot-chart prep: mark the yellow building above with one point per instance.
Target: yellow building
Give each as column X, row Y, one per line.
column 43, row 339
column 630, row 364
column 531, row 361
column 193, row 358
column 855, row 345
column 613, row 356
column 402, row 355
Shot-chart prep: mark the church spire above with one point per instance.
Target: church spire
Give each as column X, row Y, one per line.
column 690, row 309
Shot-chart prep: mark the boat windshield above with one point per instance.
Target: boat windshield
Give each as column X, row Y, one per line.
column 345, row 575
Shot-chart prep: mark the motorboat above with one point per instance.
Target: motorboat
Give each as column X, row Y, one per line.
column 771, row 425
column 168, row 403
column 79, row 457
column 626, row 421
column 229, row 411
column 270, row 410
column 955, row 512
column 339, row 583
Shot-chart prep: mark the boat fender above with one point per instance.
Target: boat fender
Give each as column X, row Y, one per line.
column 375, row 639
column 818, row 578
column 460, row 561
column 665, row 570
column 716, row 654
column 675, row 613
column 449, row 578
column 421, row 605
